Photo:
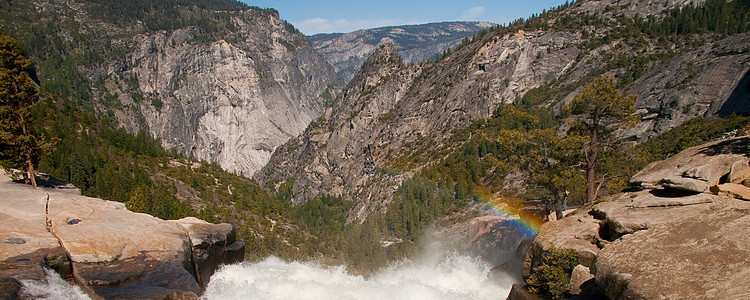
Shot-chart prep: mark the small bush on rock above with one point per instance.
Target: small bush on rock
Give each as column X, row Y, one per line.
column 552, row 277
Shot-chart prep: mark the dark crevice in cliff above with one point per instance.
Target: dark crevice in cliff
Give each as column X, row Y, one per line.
column 739, row 101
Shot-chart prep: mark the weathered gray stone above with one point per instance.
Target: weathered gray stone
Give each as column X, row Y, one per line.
column 213, row 245
column 25, row 239
column 697, row 168
column 519, row 292
column 627, row 213
column 732, row 190
column 643, row 200
column 739, row 172
column 58, row 260
column 387, row 110
column 685, row 184
column 580, row 275
column 666, row 244
column 10, row 289
column 578, row 231
column 113, row 253
column 231, row 100
column 347, row 51
column 120, row 254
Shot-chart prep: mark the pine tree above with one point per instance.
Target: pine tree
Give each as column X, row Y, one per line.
column 18, row 93
column 599, row 109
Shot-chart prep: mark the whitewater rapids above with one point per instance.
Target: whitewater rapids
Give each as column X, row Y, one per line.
column 454, row 277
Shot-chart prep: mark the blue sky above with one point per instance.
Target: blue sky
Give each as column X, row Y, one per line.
column 313, row 16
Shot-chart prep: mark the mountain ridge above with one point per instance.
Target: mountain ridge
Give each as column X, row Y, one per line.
column 405, row 119
column 415, row 43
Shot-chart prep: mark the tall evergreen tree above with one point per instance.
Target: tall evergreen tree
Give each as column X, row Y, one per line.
column 599, row 109
column 18, row 145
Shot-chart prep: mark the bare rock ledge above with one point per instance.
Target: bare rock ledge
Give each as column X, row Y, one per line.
column 668, row 240
column 108, row 251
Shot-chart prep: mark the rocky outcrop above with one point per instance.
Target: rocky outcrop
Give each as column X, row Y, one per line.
column 698, row 168
column 25, row 242
column 663, row 242
column 109, row 251
column 496, row 240
column 213, row 245
column 703, row 256
column 415, row 43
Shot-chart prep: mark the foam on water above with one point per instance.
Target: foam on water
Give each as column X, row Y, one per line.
column 55, row 288
column 454, row 277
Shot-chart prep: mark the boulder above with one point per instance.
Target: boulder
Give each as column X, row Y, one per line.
column 107, row 250
column 627, row 213
column 10, row 289
column 580, row 276
column 578, row 231
column 739, row 172
column 698, row 167
column 213, row 245
column 116, row 253
column 685, row 184
column 682, row 259
column 734, row 190
column 665, row 241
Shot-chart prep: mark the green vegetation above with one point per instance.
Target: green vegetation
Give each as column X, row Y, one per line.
column 552, row 277
column 692, row 133
column 69, row 46
column 165, row 15
column 328, row 95
column 19, row 145
column 600, row 107
column 105, row 162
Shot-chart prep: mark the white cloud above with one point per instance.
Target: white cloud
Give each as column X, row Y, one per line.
column 314, row 25
column 319, row 25
column 473, row 13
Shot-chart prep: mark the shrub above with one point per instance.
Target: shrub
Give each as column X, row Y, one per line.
column 552, row 277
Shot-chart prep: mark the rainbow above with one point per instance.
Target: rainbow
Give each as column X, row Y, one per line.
column 525, row 222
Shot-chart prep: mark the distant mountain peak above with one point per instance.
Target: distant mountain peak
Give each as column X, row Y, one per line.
column 415, row 43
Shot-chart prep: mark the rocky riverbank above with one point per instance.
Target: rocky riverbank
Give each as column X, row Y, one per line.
column 105, row 249
column 680, row 233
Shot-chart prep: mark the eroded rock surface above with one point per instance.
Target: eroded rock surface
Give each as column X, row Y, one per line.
column 213, row 245
column 109, row 251
column 663, row 242
column 698, row 168
column 415, row 43
column 703, row 256
column 117, row 253
column 390, row 117
column 25, row 242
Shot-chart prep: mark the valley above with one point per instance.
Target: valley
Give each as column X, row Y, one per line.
column 364, row 149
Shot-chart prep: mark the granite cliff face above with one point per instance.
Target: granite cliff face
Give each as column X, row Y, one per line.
column 230, row 103
column 415, row 43
column 225, row 86
column 390, row 111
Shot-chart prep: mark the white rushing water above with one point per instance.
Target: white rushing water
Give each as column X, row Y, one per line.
column 454, row 277
column 55, row 288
